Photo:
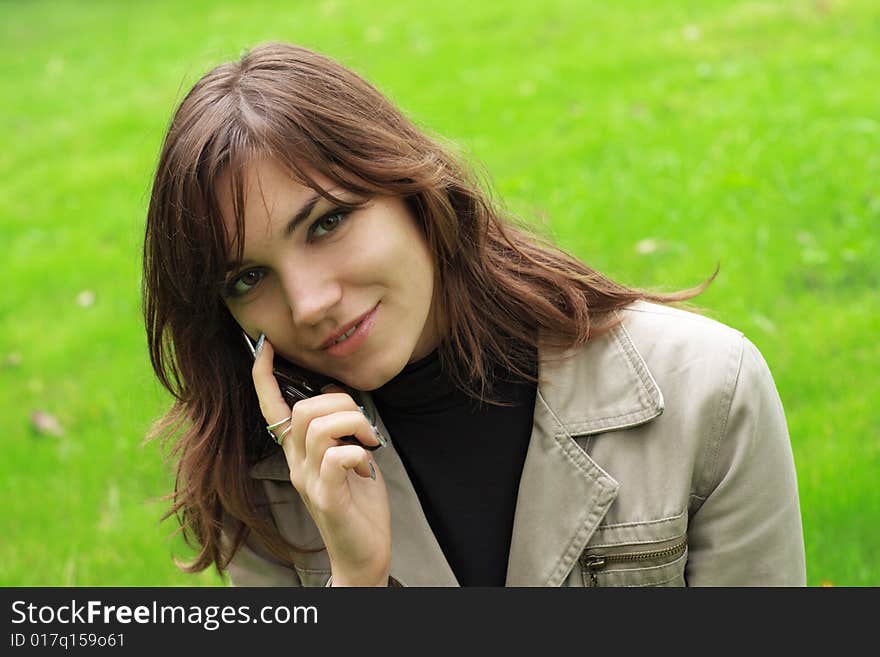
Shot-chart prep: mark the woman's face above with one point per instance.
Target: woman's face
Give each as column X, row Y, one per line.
column 311, row 270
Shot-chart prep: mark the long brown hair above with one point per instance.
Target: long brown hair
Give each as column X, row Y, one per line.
column 501, row 287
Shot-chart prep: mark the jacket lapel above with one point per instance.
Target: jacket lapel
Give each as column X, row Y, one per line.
column 563, row 493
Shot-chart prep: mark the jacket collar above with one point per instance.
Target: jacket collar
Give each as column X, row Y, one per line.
column 563, row 494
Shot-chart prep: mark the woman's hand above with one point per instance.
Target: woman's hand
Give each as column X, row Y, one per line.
column 339, row 482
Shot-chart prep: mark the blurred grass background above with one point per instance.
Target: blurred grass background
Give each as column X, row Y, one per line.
column 652, row 138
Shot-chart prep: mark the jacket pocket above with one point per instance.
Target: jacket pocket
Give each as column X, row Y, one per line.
column 652, row 553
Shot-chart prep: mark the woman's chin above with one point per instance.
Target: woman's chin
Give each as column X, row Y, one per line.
column 376, row 377
column 365, row 383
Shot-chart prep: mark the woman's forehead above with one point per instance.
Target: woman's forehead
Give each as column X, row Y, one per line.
column 264, row 181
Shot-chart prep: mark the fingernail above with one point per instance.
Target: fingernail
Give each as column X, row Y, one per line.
column 259, row 348
column 382, row 439
column 372, row 471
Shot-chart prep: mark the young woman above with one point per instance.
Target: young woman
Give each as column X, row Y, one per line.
column 482, row 408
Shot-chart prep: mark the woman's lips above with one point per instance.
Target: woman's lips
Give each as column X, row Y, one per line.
column 353, row 342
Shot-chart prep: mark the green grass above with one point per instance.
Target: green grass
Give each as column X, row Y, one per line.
column 739, row 133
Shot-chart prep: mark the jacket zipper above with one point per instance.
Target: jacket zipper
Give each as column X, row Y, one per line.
column 591, row 563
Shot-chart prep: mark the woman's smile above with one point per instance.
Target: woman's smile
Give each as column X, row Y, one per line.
column 352, row 338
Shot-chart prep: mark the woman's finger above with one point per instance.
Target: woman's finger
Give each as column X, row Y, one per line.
column 339, row 459
column 272, row 403
column 307, row 410
column 325, row 430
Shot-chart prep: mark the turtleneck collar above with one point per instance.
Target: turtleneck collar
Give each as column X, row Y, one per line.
column 422, row 386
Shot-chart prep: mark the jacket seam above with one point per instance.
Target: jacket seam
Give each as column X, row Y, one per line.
column 591, row 424
column 722, row 417
column 646, row 522
column 651, row 584
column 312, row 571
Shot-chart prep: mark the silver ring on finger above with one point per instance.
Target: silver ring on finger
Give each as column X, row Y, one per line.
column 277, row 424
column 282, row 434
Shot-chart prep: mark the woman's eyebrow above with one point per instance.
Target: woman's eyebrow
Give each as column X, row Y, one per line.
column 306, row 210
column 301, row 215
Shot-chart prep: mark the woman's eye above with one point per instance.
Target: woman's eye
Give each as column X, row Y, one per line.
column 244, row 282
column 328, row 223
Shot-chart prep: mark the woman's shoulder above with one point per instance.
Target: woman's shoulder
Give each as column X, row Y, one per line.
column 672, row 341
column 655, row 358
column 654, row 355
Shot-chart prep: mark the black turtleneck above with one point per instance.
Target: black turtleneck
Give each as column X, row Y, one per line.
column 464, row 459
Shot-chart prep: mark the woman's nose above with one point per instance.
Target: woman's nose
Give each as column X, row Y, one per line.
column 310, row 294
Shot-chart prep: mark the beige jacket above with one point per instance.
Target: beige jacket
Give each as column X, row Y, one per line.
column 659, row 456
